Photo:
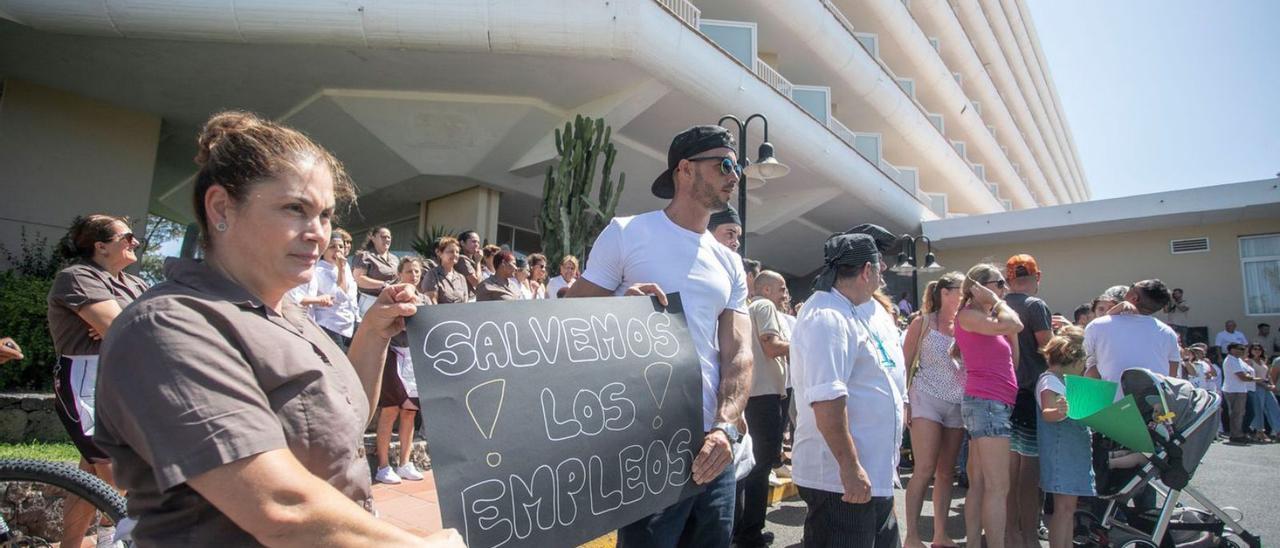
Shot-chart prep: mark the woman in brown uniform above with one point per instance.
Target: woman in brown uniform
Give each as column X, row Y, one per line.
column 375, row 266
column 399, row 397
column 444, row 284
column 232, row 419
column 86, row 298
column 469, row 263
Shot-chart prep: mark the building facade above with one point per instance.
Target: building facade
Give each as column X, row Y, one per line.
column 887, row 111
column 1219, row 244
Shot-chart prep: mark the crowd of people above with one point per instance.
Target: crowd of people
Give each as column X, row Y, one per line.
column 232, row 398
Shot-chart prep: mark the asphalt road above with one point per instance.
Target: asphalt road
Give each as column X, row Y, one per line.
column 1244, row 477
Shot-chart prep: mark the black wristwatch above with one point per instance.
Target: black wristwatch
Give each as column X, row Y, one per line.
column 730, row 431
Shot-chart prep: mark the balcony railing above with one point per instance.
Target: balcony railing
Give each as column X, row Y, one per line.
column 772, row 77
column 685, row 10
column 842, row 131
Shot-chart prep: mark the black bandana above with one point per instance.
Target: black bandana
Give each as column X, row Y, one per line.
column 885, row 240
column 844, row 250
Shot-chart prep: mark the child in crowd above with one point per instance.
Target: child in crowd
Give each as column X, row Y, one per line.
column 1065, row 461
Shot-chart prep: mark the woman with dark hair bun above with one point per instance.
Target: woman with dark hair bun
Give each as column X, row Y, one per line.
column 375, row 266
column 85, row 299
column 232, row 418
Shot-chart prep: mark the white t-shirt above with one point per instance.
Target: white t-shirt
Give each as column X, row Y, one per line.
column 1049, row 381
column 553, row 286
column 1223, row 339
column 341, row 317
column 886, row 328
column 834, row 354
column 1197, row 377
column 1214, row 384
column 1230, row 382
column 650, row 248
column 1117, row 343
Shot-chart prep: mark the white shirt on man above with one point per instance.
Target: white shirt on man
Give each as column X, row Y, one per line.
column 1224, row 339
column 885, row 326
column 1117, row 343
column 650, row 248
column 1231, row 383
column 834, row 354
column 341, row 317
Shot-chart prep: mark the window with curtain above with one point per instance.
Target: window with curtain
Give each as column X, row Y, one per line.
column 1260, row 263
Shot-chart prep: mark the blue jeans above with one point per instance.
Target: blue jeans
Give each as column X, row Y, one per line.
column 1265, row 407
column 703, row 520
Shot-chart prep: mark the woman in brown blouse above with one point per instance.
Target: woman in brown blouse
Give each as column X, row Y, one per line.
column 444, row 284
column 375, row 266
column 399, row 397
column 232, row 419
column 86, row 298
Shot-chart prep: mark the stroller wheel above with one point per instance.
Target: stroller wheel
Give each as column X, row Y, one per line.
column 1139, row 543
column 1088, row 530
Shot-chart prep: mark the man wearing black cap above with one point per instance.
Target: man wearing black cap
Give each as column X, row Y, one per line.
column 671, row 251
column 726, row 227
column 849, row 407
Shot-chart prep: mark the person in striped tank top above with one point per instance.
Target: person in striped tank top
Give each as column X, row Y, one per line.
column 935, row 389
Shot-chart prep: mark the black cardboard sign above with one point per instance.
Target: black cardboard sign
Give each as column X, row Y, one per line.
column 552, row 422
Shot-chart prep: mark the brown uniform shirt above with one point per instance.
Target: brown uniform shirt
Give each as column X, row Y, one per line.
column 494, row 288
column 378, row 268
column 446, row 288
column 82, row 284
column 466, row 266
column 198, row 373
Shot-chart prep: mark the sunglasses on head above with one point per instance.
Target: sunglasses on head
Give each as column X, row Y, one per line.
column 727, row 165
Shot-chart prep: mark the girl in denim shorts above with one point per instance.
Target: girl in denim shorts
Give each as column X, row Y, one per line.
column 986, row 334
column 1066, row 468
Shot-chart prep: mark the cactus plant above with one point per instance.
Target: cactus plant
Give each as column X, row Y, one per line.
column 570, row 218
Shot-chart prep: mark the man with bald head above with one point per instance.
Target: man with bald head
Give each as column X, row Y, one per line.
column 766, row 408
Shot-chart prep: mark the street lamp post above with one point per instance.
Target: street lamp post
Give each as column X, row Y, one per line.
column 764, row 168
column 907, row 262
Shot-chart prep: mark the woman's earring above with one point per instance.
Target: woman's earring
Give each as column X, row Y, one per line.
column 220, row 227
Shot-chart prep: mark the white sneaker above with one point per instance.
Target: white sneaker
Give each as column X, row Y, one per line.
column 386, row 475
column 409, row 472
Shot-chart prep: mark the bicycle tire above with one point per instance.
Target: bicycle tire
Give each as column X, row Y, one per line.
column 82, row 484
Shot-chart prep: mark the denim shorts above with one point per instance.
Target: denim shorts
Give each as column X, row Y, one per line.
column 986, row 418
column 1066, row 461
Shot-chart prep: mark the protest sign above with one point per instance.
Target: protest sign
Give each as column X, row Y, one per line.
column 1093, row 402
column 551, row 422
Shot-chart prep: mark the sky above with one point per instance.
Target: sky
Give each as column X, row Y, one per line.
column 1166, row 95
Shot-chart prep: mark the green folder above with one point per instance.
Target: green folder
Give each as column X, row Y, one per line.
column 1092, row 402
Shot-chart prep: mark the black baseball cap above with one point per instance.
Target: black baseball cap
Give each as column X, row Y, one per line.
column 685, row 145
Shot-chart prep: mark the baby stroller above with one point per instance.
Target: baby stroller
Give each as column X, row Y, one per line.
column 1182, row 421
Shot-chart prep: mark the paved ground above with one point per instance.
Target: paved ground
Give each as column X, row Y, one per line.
column 1246, row 477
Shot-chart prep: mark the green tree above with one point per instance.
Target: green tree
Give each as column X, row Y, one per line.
column 159, row 232
column 570, row 219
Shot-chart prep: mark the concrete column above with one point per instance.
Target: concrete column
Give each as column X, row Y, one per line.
column 63, row 155
column 473, row 209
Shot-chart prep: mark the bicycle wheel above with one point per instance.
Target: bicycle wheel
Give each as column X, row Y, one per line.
column 34, row 494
